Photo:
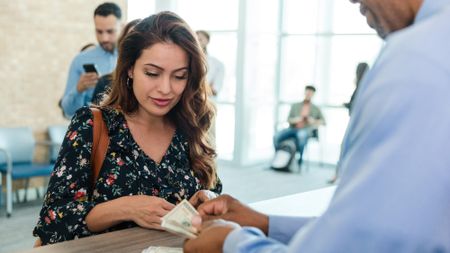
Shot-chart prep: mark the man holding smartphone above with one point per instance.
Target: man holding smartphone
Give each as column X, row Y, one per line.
column 89, row 65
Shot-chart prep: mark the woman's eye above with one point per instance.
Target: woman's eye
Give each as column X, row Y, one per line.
column 151, row 74
column 181, row 77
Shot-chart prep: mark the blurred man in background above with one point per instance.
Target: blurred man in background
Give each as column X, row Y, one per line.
column 81, row 81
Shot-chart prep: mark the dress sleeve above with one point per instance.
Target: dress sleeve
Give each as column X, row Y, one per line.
column 66, row 202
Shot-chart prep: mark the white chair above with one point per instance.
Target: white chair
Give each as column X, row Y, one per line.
column 16, row 159
column 56, row 133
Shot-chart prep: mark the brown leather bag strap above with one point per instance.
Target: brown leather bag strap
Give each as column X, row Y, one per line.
column 99, row 144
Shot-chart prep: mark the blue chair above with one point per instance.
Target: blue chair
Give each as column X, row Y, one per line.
column 16, row 159
column 56, row 133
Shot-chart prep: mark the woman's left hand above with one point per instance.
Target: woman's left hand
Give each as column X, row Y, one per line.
column 202, row 196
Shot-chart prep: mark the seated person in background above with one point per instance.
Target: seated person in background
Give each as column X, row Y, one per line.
column 304, row 117
column 157, row 115
column 104, row 83
column 80, row 84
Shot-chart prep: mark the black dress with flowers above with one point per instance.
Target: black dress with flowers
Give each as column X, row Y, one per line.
column 126, row 170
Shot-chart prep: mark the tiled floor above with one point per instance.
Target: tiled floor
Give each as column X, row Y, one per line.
column 247, row 184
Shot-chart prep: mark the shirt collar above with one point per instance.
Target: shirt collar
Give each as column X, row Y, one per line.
column 114, row 53
column 429, row 8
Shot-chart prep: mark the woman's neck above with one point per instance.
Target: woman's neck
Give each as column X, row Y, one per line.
column 143, row 119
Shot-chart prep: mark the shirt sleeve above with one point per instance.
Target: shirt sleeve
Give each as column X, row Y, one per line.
column 249, row 239
column 294, row 113
column 72, row 99
column 320, row 116
column 282, row 228
column 66, row 202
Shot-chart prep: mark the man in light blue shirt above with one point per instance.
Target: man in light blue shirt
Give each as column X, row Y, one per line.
column 394, row 195
column 80, row 84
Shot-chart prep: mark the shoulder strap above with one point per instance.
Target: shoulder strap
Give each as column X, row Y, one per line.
column 99, row 144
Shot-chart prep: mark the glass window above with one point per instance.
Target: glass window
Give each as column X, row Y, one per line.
column 300, row 16
column 259, row 79
column 223, row 46
column 209, row 15
column 348, row 19
column 225, row 121
column 140, row 9
column 346, row 53
column 297, row 66
column 259, row 135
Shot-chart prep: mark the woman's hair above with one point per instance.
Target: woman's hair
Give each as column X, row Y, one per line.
column 127, row 28
column 193, row 114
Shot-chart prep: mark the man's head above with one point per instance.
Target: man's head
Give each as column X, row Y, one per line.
column 309, row 92
column 387, row 16
column 107, row 18
column 203, row 38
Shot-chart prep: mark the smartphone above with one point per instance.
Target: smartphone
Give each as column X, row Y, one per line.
column 90, row 67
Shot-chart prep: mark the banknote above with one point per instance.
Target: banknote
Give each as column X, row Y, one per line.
column 156, row 249
column 179, row 220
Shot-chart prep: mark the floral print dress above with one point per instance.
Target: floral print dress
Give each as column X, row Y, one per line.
column 126, row 170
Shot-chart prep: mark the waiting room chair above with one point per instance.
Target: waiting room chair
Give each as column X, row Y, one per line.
column 16, row 159
column 56, row 134
column 313, row 140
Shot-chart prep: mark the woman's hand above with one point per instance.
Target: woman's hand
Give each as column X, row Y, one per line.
column 147, row 211
column 202, row 196
column 144, row 210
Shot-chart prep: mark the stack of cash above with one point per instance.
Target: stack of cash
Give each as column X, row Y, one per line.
column 179, row 220
column 153, row 249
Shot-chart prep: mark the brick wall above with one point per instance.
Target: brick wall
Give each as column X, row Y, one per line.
column 38, row 41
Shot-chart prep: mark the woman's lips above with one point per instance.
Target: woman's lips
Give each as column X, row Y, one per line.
column 161, row 102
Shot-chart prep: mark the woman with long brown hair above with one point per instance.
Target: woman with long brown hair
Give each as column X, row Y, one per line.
column 157, row 116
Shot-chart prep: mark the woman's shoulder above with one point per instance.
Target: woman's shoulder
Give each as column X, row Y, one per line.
column 113, row 117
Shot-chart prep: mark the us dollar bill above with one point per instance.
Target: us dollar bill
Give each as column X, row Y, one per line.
column 156, row 249
column 179, row 220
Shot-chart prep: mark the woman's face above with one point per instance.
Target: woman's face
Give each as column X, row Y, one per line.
column 159, row 76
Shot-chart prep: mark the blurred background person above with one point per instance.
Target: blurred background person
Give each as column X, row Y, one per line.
column 80, row 84
column 361, row 69
column 304, row 117
column 216, row 69
column 104, row 83
column 215, row 74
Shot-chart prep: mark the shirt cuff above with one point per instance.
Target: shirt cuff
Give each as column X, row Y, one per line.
column 237, row 237
column 282, row 228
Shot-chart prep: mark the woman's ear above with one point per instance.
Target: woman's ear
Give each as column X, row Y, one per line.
column 130, row 72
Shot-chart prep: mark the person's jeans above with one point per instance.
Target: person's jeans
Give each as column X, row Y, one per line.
column 300, row 135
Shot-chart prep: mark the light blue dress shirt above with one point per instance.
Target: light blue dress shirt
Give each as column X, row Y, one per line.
column 72, row 99
column 394, row 194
